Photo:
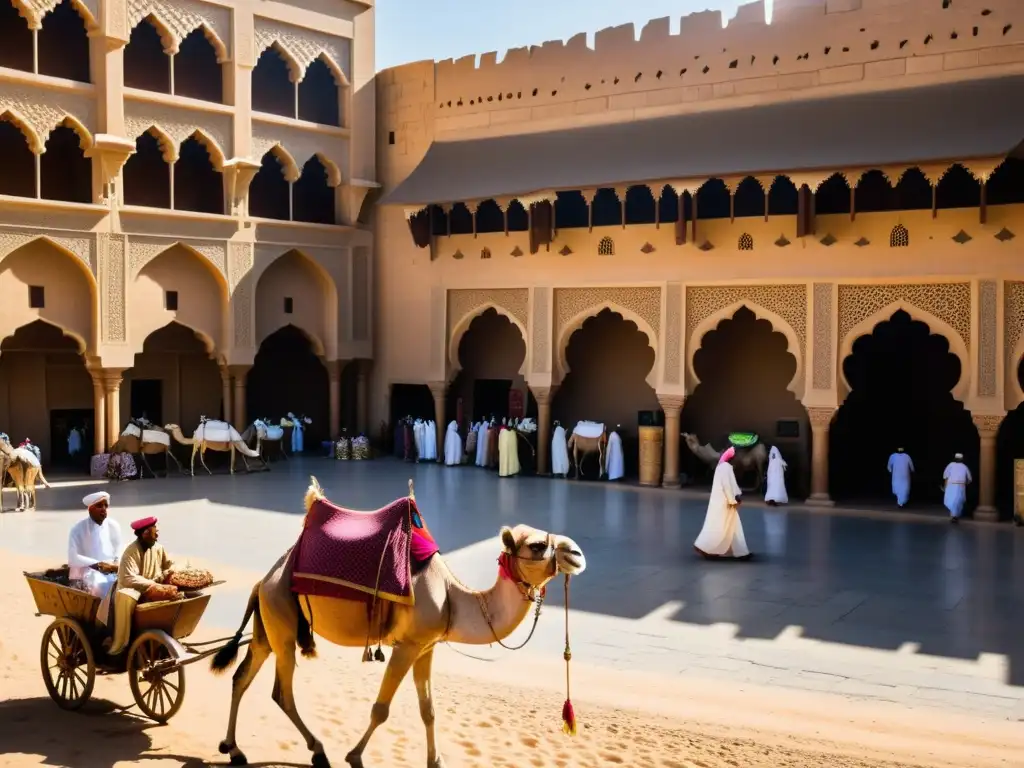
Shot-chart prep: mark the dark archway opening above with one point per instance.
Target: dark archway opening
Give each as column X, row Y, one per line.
column 957, row 189
column 64, row 44
column 312, row 194
column 65, row 171
column 272, row 88
column 744, row 367
column 146, row 175
column 489, row 217
column 901, row 378
column 1009, row 448
column 1006, row 185
column 197, row 73
column 197, row 185
column 640, row 205
column 609, row 359
column 607, row 210
column 319, row 95
column 460, row 219
column 833, row 196
column 571, row 211
column 782, row 197
column 270, row 193
column 713, row 200
column 518, row 218
column 668, row 205
column 19, row 164
column 749, row 199
column 146, row 66
column 288, row 376
column 15, row 39
column 491, row 352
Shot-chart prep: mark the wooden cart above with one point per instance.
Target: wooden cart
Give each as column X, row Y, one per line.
column 72, row 654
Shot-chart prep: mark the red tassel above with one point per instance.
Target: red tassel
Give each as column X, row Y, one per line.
column 568, row 718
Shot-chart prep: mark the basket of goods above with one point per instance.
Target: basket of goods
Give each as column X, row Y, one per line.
column 343, row 449
column 743, row 439
column 361, row 448
column 191, row 578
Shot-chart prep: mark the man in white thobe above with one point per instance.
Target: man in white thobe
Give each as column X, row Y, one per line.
column 453, row 445
column 955, row 480
column 776, row 490
column 481, row 443
column 901, row 466
column 94, row 550
column 559, row 452
column 614, row 461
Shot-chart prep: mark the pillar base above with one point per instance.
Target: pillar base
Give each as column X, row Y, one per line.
column 986, row 514
column 819, row 500
column 670, row 483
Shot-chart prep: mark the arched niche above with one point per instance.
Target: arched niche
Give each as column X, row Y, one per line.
column 491, row 356
column 937, row 326
column 320, row 92
column 65, row 170
column 19, row 145
column 178, row 285
column 63, row 41
column 40, row 280
column 778, row 323
column 294, row 289
column 147, row 65
column 273, row 82
column 197, row 66
column 313, row 193
column 270, row 192
column 198, row 183
column 460, row 326
column 576, row 322
column 16, row 39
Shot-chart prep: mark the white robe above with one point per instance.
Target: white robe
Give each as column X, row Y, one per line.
column 559, row 452
column 901, row 466
column 957, row 476
column 508, row 452
column 430, row 440
column 481, row 445
column 776, row 490
column 74, row 442
column 452, row 445
column 89, row 544
column 417, row 436
column 614, row 463
column 722, row 534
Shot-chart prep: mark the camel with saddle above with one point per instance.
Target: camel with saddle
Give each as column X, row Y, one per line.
column 212, row 435
column 355, row 577
column 751, row 456
column 141, row 438
column 588, row 437
column 265, row 433
column 23, row 466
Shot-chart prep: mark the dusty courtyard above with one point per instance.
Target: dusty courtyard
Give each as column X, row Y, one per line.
column 659, row 710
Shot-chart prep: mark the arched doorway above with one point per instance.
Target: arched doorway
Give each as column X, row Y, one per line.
column 175, row 380
column 608, row 360
column 1009, row 448
column 745, row 367
column 490, row 355
column 901, row 379
column 288, row 375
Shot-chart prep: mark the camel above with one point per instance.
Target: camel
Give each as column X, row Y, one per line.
column 24, row 467
column 142, row 437
column 213, row 435
column 747, row 459
column 265, row 431
column 444, row 610
column 588, row 437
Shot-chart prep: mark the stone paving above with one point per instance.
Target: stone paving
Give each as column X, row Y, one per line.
column 910, row 610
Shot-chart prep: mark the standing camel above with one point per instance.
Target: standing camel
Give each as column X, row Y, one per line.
column 444, row 610
column 588, row 437
column 141, row 438
column 265, row 432
column 24, row 467
column 213, row 436
column 747, row 460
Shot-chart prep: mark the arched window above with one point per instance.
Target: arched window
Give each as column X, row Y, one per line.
column 900, row 237
column 146, row 177
column 15, row 39
column 65, row 171
column 146, row 65
column 746, row 242
column 197, row 184
column 606, row 247
column 270, row 193
column 320, row 95
column 63, row 44
column 197, row 73
column 313, row 197
column 16, row 159
column 273, row 90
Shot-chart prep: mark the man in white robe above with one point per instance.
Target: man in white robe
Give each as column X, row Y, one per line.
column 481, row 443
column 94, row 550
column 776, row 490
column 722, row 535
column 430, row 440
column 614, row 461
column 452, row 445
column 417, row 436
column 559, row 452
column 955, row 480
column 901, row 466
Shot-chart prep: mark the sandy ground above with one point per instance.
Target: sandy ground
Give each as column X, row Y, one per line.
column 490, row 715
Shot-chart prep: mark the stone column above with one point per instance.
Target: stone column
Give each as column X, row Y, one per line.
column 112, row 392
column 988, row 428
column 239, row 373
column 544, row 396
column 334, row 371
column 99, row 418
column 673, row 407
column 439, row 389
column 225, row 382
column 821, row 419
column 362, row 400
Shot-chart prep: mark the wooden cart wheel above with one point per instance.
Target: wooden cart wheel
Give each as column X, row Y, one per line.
column 68, row 664
column 157, row 685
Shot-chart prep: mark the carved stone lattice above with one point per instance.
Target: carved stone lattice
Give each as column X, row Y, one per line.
column 240, row 261
column 514, row 301
column 301, row 145
column 178, row 124
column 36, row 11
column 82, row 247
column 820, row 418
column 43, row 110
column 303, row 45
column 182, row 17
column 1013, row 320
column 673, row 331
column 950, row 302
column 823, row 354
column 987, row 332
column 987, row 424
column 142, row 250
column 112, row 254
column 572, row 302
column 541, row 333
column 787, row 301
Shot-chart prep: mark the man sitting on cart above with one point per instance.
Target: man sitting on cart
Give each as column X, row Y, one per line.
column 94, row 547
column 142, row 576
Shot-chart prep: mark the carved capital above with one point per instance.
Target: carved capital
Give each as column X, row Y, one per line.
column 109, row 378
column 821, row 418
column 672, row 404
column 544, row 395
column 987, row 423
column 438, row 389
column 239, row 371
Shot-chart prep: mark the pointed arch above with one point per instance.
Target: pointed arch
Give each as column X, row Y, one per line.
column 91, row 22
column 778, row 323
column 27, row 13
column 574, row 324
column 295, row 70
column 214, row 269
column 35, row 142
column 339, row 75
column 217, row 156
column 936, row 326
column 167, row 36
column 333, row 171
column 208, row 343
column 462, row 325
column 288, row 165
column 84, row 135
column 167, row 144
column 325, row 340
column 219, row 46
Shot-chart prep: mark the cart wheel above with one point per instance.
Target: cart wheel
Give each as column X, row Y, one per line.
column 68, row 665
column 157, row 685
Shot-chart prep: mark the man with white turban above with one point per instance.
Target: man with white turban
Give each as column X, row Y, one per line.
column 955, row 479
column 94, row 547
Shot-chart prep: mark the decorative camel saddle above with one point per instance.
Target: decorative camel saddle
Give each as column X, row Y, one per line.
column 212, row 431
column 147, row 435
column 356, row 554
column 589, row 429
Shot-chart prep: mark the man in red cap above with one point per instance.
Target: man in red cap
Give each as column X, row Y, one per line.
column 142, row 575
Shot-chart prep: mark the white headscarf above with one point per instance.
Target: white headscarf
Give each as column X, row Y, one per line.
column 96, row 498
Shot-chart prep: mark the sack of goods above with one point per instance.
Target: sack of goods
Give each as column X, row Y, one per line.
column 343, row 449
column 191, row 578
column 360, row 448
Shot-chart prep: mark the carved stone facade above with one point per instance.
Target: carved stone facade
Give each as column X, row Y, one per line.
column 988, row 425
column 240, row 263
column 1013, row 321
column 673, row 333
column 142, row 250
column 949, row 302
column 179, row 18
column 821, row 418
column 510, row 301
column 112, row 279
column 988, row 321
column 541, row 332
column 824, row 353
column 570, row 303
column 787, row 301
column 304, row 45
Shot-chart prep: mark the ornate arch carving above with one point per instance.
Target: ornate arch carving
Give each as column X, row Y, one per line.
column 35, row 142
column 85, row 139
column 464, row 306
column 295, row 70
column 333, row 171
column 301, row 46
column 141, row 251
column 340, row 79
column 936, row 325
column 214, row 149
column 177, row 19
column 80, row 249
column 289, row 167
